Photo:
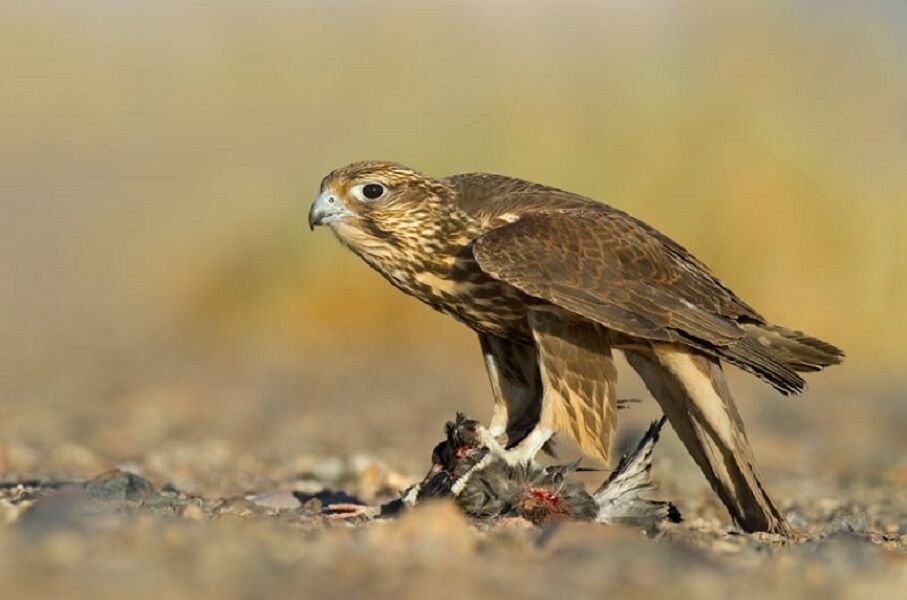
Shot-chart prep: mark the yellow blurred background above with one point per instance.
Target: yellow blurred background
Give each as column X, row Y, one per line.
column 164, row 308
column 157, row 159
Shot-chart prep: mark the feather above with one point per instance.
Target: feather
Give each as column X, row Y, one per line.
column 620, row 498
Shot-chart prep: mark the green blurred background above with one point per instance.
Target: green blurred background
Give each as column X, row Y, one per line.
column 157, row 159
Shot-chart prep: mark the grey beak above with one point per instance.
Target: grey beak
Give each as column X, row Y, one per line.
column 315, row 216
column 323, row 208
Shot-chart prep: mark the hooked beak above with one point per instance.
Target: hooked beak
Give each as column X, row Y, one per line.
column 325, row 209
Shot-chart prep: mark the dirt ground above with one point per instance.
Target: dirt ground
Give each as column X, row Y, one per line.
column 206, row 475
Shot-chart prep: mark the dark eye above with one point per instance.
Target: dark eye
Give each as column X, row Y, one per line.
column 373, row 191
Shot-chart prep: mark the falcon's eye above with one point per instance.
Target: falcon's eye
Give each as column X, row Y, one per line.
column 373, row 191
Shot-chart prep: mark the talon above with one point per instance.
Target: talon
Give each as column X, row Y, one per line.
column 527, row 449
column 490, row 441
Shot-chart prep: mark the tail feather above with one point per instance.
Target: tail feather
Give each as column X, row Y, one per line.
column 794, row 348
column 752, row 357
column 776, row 354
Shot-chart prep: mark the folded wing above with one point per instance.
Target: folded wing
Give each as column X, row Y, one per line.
column 610, row 268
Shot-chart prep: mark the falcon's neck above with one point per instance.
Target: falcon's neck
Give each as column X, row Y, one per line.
column 426, row 252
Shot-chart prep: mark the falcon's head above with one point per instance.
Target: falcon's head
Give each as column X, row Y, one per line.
column 380, row 208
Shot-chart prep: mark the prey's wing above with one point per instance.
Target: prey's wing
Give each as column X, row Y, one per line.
column 620, row 498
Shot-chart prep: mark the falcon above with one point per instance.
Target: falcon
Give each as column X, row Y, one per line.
column 554, row 283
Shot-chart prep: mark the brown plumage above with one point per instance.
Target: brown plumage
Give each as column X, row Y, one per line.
column 552, row 282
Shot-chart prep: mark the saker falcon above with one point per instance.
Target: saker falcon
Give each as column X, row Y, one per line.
column 552, row 282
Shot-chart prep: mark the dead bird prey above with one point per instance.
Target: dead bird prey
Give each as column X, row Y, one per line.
column 470, row 466
column 552, row 281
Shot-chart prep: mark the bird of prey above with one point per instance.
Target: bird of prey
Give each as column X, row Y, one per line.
column 553, row 282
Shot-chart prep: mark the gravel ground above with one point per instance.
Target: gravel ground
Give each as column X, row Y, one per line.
column 187, row 477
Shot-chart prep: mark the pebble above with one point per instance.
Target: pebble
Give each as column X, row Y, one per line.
column 193, row 512
column 119, row 485
column 277, row 500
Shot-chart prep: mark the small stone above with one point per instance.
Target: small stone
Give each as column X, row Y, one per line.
column 309, row 487
column 69, row 507
column 10, row 513
column 236, row 507
column 193, row 512
column 169, row 488
column 312, row 506
column 119, row 485
column 276, row 500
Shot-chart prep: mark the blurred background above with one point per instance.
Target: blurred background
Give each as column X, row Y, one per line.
column 164, row 308
column 158, row 284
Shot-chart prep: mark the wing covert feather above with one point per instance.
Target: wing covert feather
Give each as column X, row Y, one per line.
column 610, row 268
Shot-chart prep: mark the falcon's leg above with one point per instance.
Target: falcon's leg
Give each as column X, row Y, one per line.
column 691, row 389
column 578, row 382
column 516, row 385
